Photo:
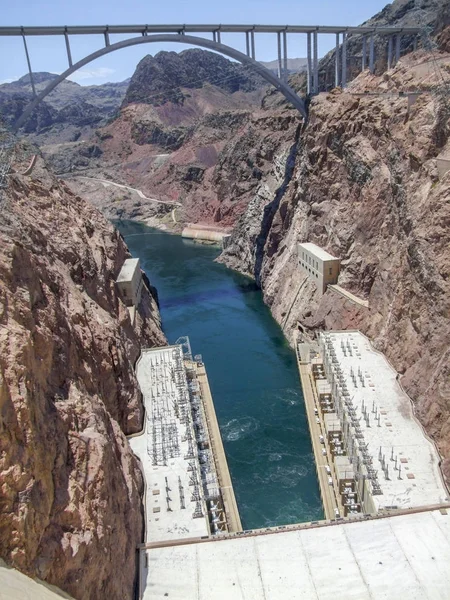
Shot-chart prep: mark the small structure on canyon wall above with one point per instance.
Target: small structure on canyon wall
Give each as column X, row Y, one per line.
column 129, row 282
column 320, row 266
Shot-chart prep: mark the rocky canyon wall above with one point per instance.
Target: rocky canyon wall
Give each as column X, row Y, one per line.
column 70, row 506
column 365, row 186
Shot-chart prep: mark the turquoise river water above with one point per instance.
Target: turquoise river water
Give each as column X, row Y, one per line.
column 251, row 369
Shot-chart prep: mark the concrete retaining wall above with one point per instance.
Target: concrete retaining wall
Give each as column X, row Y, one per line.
column 208, row 235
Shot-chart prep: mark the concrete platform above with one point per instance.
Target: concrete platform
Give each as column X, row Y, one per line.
column 406, row 556
column 14, row 585
column 188, row 485
column 330, row 499
column 223, row 473
column 377, row 416
column 167, row 519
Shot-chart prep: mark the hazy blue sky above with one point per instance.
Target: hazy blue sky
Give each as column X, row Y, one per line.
column 48, row 54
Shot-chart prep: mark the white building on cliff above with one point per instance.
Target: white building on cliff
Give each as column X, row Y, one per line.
column 129, row 282
column 320, row 266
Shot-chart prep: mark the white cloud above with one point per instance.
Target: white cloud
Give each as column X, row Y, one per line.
column 10, row 79
column 99, row 73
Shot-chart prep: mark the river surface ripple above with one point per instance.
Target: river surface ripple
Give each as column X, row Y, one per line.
column 251, row 369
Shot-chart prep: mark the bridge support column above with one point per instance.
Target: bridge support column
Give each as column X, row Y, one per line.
column 252, row 40
column 389, row 57
column 285, row 68
column 29, row 65
column 364, row 54
column 344, row 61
column 106, row 34
column 280, row 68
column 398, row 40
column 308, row 64
column 371, row 54
column 69, row 54
column 218, row 37
column 415, row 43
column 315, row 65
column 247, row 43
column 336, row 63
column 214, row 36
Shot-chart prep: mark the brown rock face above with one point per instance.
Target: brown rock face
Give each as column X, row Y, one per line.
column 70, row 508
column 365, row 186
column 213, row 174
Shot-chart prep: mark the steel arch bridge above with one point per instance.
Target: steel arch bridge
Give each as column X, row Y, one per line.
column 181, row 34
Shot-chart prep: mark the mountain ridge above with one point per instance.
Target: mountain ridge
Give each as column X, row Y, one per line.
column 159, row 79
column 69, row 111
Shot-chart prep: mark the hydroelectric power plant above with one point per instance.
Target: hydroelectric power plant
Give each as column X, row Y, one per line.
column 357, row 417
column 251, row 370
column 294, row 442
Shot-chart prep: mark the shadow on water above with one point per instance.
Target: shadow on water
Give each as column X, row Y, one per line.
column 252, row 372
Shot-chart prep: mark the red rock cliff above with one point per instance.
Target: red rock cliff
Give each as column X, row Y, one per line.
column 70, row 508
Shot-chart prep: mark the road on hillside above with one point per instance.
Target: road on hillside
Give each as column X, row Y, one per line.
column 106, row 182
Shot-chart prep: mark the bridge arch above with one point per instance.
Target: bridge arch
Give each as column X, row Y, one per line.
column 283, row 87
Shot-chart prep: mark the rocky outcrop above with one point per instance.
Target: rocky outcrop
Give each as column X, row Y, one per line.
column 365, row 186
column 69, row 111
column 149, row 132
column 13, row 105
column 70, row 507
column 168, row 76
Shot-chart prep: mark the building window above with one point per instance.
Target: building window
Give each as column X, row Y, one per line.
column 331, row 270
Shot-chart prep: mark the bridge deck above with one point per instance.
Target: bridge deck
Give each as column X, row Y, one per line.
column 143, row 29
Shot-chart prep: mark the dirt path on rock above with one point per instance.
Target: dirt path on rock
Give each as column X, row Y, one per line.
column 107, row 182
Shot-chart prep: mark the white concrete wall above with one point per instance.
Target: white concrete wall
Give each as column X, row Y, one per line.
column 131, row 289
column 320, row 271
column 14, row 585
column 330, row 270
column 396, row 558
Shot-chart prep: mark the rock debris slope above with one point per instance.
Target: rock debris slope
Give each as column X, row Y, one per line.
column 70, row 506
column 362, row 182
